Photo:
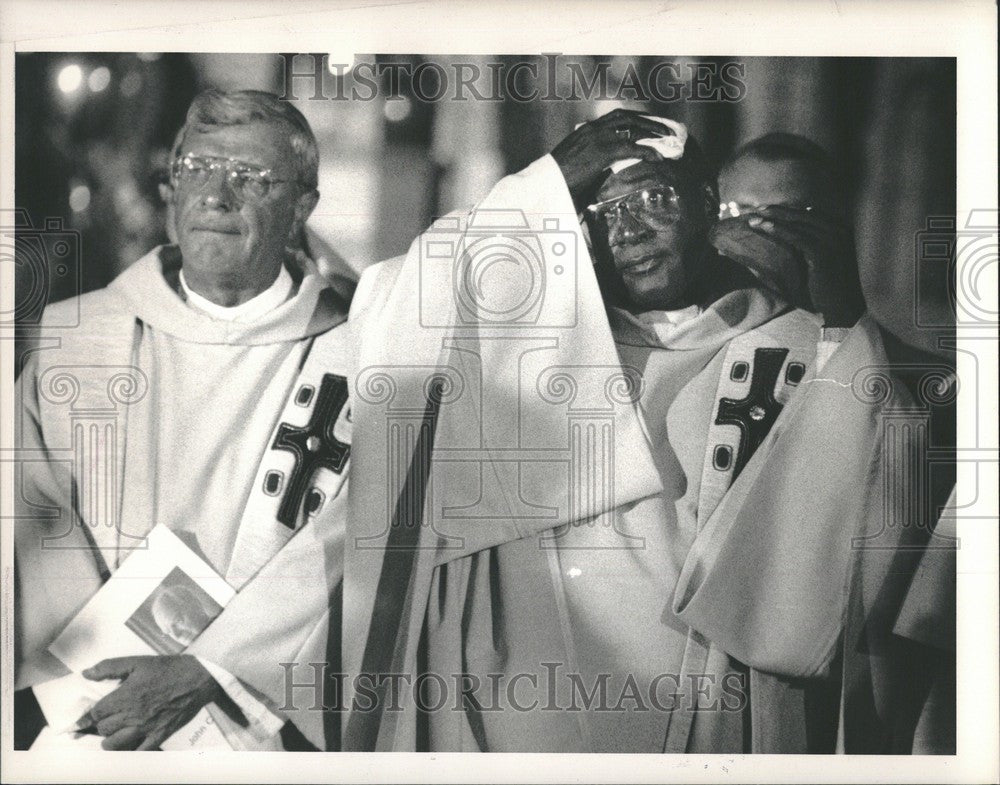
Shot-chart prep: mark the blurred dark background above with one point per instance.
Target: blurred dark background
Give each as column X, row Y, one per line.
column 94, row 131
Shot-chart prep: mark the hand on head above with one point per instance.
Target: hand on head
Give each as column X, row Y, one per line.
column 649, row 221
column 586, row 154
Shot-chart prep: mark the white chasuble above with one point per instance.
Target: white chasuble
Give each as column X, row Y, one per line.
column 232, row 433
column 712, row 388
column 493, row 586
column 551, row 547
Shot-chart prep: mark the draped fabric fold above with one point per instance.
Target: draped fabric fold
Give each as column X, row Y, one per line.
column 137, row 436
column 552, row 493
column 532, row 387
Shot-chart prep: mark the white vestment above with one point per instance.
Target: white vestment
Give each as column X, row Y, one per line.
column 580, row 493
column 186, row 435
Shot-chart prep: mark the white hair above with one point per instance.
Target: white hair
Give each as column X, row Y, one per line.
column 213, row 108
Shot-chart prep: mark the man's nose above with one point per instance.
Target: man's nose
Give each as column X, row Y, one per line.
column 627, row 229
column 217, row 192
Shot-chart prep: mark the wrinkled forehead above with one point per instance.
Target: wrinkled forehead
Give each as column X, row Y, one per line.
column 645, row 174
column 258, row 142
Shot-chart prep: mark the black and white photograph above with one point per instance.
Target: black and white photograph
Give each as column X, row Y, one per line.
column 554, row 399
column 174, row 614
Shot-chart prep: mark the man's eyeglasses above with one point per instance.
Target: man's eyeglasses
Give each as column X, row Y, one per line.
column 652, row 207
column 736, row 209
column 246, row 181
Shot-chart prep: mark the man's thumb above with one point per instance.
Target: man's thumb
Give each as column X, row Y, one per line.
column 113, row 668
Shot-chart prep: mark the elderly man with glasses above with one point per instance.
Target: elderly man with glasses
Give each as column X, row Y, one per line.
column 232, row 430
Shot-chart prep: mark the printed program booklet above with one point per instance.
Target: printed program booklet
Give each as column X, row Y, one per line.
column 157, row 602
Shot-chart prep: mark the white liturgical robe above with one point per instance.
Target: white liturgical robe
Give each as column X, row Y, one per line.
column 602, row 532
column 187, row 436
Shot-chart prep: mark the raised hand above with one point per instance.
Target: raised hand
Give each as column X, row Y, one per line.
column 807, row 254
column 585, row 154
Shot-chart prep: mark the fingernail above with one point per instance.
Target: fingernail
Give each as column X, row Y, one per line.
column 767, row 226
column 755, row 220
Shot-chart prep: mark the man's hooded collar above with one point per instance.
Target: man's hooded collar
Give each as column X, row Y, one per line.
column 149, row 288
column 732, row 314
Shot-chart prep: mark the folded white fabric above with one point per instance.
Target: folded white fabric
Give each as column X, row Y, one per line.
column 669, row 146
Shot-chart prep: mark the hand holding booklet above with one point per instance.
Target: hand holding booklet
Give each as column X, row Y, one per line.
column 157, row 602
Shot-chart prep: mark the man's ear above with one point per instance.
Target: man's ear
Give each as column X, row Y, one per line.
column 166, row 192
column 169, row 198
column 304, row 206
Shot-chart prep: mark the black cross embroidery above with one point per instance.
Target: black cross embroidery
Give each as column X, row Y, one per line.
column 755, row 414
column 314, row 446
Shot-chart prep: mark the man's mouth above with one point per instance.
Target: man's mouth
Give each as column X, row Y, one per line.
column 219, row 227
column 640, row 264
column 215, row 230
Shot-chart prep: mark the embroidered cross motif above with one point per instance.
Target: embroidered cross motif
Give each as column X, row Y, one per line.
column 755, row 414
column 314, row 446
